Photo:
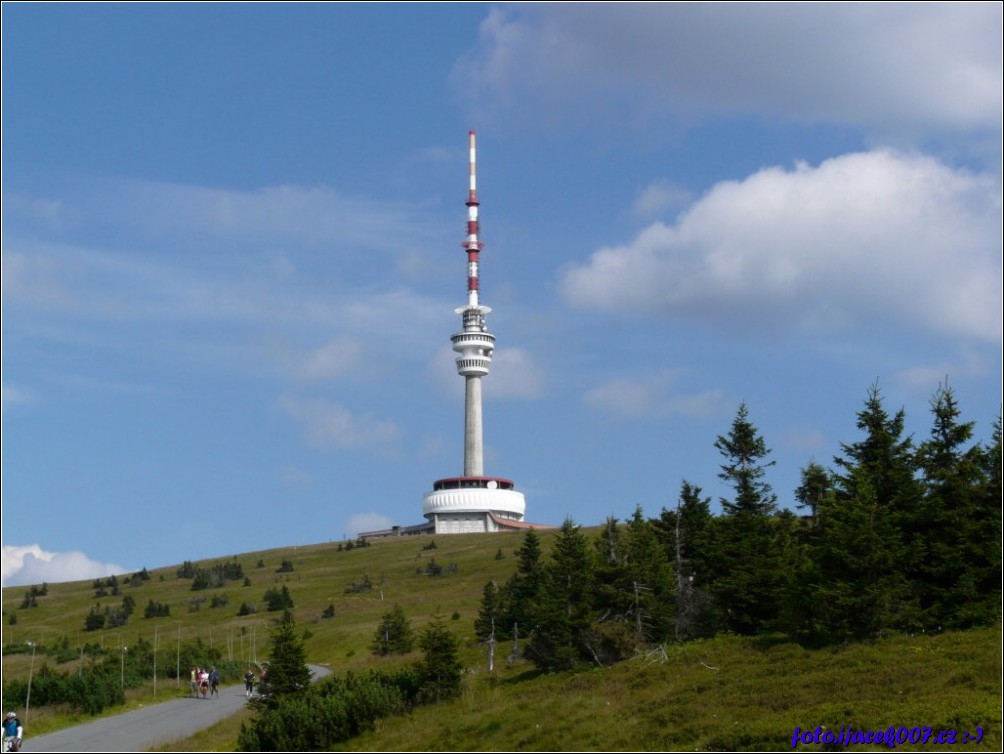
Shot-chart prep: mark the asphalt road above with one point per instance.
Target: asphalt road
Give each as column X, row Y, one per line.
column 150, row 726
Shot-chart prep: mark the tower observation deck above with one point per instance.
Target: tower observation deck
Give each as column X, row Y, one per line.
column 473, row 502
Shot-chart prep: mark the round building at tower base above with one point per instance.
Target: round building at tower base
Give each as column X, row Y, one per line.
column 469, row 505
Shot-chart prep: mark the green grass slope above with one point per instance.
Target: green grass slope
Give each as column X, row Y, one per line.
column 721, row 694
column 320, row 577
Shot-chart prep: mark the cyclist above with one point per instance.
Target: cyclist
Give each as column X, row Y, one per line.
column 13, row 732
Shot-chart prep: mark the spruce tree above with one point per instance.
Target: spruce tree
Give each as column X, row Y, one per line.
column 287, row 672
column 439, row 671
column 394, row 635
column 648, row 574
column 959, row 534
column 571, row 569
column 857, row 590
column 813, row 489
column 688, row 537
column 491, row 614
column 988, row 516
column 564, row 608
column 751, row 574
column 885, row 458
column 524, row 589
column 609, row 561
column 865, row 548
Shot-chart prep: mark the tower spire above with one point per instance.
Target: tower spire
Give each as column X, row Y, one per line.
column 472, row 243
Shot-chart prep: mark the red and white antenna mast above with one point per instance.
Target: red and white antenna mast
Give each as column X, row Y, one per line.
column 473, row 243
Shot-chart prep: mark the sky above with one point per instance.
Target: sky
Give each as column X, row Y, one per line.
column 231, row 254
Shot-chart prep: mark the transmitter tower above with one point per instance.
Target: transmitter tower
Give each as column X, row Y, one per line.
column 473, row 502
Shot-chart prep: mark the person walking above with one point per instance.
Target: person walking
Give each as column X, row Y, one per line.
column 13, row 732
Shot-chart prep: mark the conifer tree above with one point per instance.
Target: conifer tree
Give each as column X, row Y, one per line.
column 867, row 544
column 564, row 608
column 857, row 589
column 813, row 489
column 571, row 567
column 988, row 516
column 688, row 537
column 394, row 635
column 439, row 671
column 524, row 589
column 649, row 581
column 287, row 673
column 750, row 574
column 609, row 599
column 491, row 614
column 959, row 534
column 885, row 458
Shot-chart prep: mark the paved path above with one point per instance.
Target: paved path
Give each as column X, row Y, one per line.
column 149, row 726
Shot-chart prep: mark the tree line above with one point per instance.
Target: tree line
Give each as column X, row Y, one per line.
column 103, row 675
column 895, row 536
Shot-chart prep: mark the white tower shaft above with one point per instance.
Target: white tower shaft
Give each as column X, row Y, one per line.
column 474, row 450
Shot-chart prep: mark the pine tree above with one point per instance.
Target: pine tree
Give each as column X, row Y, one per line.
column 564, row 606
column 813, row 489
column 440, row 671
column 288, row 673
column 863, row 552
column 958, row 535
column 609, row 599
column 987, row 569
column 648, row 574
column 491, row 614
column 571, row 569
column 394, row 635
column 688, row 537
column 524, row 589
column 858, row 589
column 751, row 575
column 886, row 459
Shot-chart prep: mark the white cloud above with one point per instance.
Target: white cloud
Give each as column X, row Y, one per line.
column 367, row 522
column 181, row 251
column 925, row 378
column 334, row 359
column 326, row 422
column 890, row 65
column 859, row 241
column 32, row 565
column 647, row 395
column 659, row 197
column 514, row 374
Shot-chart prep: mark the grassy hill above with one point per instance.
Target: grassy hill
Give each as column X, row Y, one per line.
column 725, row 693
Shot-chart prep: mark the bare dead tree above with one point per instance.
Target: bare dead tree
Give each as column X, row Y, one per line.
column 491, row 649
column 684, row 587
column 514, row 655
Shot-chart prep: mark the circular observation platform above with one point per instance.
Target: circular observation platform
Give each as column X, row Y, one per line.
column 479, row 494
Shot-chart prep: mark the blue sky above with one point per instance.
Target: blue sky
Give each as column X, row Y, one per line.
column 231, row 254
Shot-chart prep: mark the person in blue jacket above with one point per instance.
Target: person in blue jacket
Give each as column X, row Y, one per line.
column 13, row 732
